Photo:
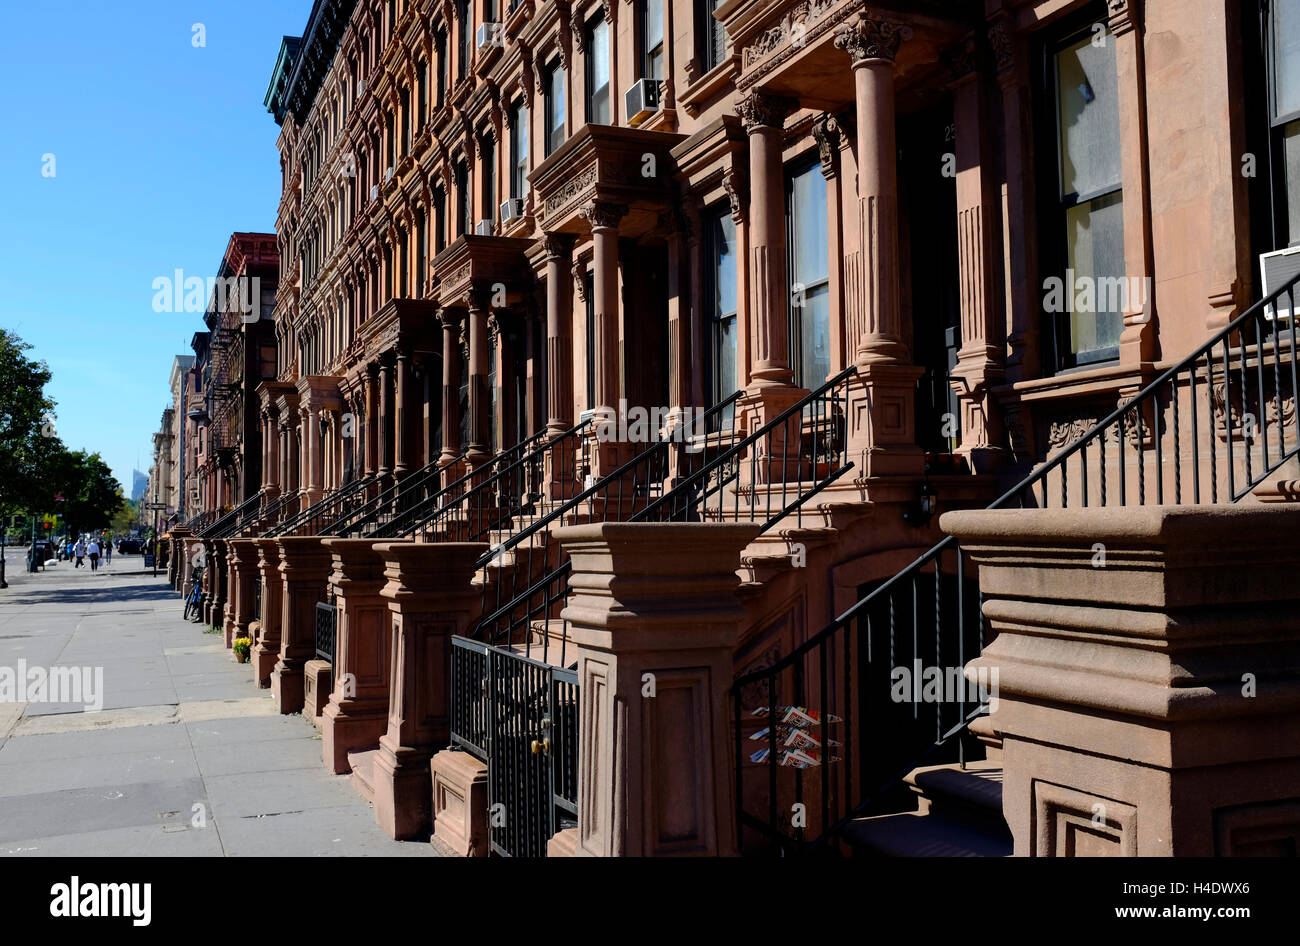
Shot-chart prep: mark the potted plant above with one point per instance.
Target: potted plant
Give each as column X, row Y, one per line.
column 241, row 646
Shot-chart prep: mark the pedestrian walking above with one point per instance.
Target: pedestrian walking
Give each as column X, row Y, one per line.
column 80, row 551
column 108, row 551
column 93, row 549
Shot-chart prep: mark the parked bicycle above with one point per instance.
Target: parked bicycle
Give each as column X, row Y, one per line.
column 193, row 601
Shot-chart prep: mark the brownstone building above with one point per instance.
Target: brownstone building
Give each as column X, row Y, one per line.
column 626, row 353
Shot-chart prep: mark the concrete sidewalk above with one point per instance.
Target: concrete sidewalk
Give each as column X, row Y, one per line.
column 187, row 757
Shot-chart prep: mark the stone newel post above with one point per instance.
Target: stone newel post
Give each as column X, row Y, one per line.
column 430, row 600
column 655, row 619
column 305, row 566
column 266, row 647
column 242, row 556
column 1148, row 676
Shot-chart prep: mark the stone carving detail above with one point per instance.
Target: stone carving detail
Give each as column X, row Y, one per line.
column 826, row 129
column 571, row 189
column 791, row 31
column 865, row 39
column 579, row 279
column 557, row 245
column 759, row 109
column 733, row 187
column 1000, row 41
column 1063, row 433
column 602, row 215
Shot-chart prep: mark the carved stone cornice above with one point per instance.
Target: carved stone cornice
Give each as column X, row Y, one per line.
column 602, row 214
column 826, row 130
column 763, row 110
column 866, row 39
column 557, row 245
column 450, row 317
column 1002, row 44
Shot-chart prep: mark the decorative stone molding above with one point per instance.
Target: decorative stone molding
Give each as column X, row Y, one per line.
column 1123, row 16
column 1063, row 433
column 575, row 186
column 867, row 39
column 579, row 279
column 763, row 110
column 826, row 130
column 1003, row 46
column 556, row 245
column 733, row 184
column 603, row 215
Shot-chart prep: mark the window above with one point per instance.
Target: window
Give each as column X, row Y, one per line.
column 598, row 72
column 810, row 342
column 406, row 121
column 444, row 66
column 466, row 40
column 720, row 305
column 518, row 150
column 652, row 38
column 462, row 198
column 1088, row 211
column 712, row 36
column 392, row 142
column 421, row 94
column 554, row 108
column 439, row 220
column 488, row 177
column 421, row 252
column 1284, row 117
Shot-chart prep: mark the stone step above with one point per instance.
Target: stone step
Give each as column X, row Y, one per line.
column 363, row 772
column 959, row 815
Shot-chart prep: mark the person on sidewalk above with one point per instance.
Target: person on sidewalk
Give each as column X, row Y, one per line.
column 93, row 549
column 108, row 551
column 80, row 551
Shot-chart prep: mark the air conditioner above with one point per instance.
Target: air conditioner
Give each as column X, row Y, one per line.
column 490, row 34
column 388, row 174
column 361, row 86
column 642, row 101
column 374, row 191
column 483, row 228
column 514, row 207
column 1277, row 269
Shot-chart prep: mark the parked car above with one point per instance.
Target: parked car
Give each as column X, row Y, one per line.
column 128, row 546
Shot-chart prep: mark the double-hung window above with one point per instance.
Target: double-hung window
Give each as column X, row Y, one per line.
column 598, row 72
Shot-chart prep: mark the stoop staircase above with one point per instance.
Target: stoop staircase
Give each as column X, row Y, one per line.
column 893, row 777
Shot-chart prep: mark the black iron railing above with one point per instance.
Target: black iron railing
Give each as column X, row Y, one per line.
column 239, row 518
column 326, row 627
column 276, row 510
column 200, row 522
column 765, row 476
column 1210, row 428
column 496, row 495
column 360, row 522
column 323, row 513
column 521, row 715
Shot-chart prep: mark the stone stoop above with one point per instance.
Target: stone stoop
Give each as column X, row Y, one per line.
column 363, row 773
column 960, row 815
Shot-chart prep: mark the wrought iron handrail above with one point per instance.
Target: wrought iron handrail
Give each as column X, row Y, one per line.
column 356, row 521
column 325, row 511
column 840, row 664
column 273, row 510
column 819, row 414
column 241, row 516
column 201, row 521
column 468, row 497
column 220, row 523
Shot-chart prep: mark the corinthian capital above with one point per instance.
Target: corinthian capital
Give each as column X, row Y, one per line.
column 865, row 39
column 762, row 110
column 603, row 215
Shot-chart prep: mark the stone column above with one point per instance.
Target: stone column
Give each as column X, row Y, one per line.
column 450, row 391
column 405, row 463
column 305, row 566
column 604, row 219
column 654, row 605
column 314, row 450
column 480, row 397
column 980, row 360
column 385, row 419
column 372, row 420
column 266, row 646
column 560, row 475
column 357, row 712
column 430, row 597
column 764, row 117
column 1161, row 717
column 882, row 403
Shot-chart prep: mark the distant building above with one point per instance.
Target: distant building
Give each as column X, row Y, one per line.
column 139, row 484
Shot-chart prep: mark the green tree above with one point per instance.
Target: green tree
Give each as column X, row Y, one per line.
column 27, row 441
column 91, row 494
column 125, row 518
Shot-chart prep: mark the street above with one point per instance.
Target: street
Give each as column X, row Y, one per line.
column 187, row 757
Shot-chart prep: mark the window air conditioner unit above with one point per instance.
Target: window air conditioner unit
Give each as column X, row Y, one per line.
column 1277, row 269
column 374, row 191
column 514, row 207
column 642, row 101
column 489, row 34
column 483, row 228
column 361, row 86
column 388, row 174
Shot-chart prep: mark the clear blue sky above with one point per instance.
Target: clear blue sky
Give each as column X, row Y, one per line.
column 162, row 149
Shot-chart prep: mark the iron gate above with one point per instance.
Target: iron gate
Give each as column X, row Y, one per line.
column 521, row 717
